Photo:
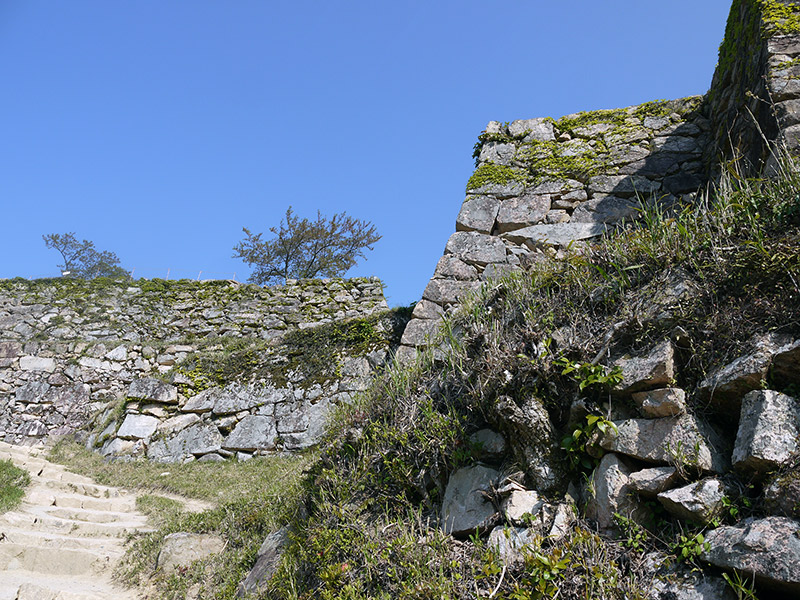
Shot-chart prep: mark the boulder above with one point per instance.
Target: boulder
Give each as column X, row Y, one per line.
column 666, row 402
column 177, row 423
column 612, row 494
column 478, row 213
column 651, row 482
column 786, row 365
column 683, row 440
column 532, row 129
column 768, row 549
column 153, row 390
column 769, row 427
column 234, row 398
column 608, row 209
column 444, row 292
column 520, row 503
column 700, row 502
column 137, row 427
column 490, row 444
column 465, row 508
column 269, row 556
column 691, row 586
column 509, row 542
column 656, row 369
column 421, row 332
column 32, row 392
column 530, row 435
column 782, row 493
column 182, row 549
column 726, row 385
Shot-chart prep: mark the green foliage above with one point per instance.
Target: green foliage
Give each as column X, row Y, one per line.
column 304, row 249
column 779, row 17
column 634, row 535
column 688, row 548
column 13, row 481
column 577, row 445
column 743, row 588
column 588, row 374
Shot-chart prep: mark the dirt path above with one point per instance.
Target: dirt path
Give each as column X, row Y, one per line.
column 64, row 540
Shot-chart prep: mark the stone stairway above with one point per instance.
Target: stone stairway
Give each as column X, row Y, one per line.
column 63, row 541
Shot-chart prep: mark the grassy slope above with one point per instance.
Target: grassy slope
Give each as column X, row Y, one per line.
column 369, row 500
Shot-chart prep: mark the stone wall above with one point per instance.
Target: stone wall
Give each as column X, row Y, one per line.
column 69, row 348
column 543, row 185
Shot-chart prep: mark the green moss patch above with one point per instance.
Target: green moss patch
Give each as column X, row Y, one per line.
column 489, row 173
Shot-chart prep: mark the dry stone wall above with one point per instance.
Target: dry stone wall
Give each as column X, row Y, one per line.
column 544, row 185
column 70, row 349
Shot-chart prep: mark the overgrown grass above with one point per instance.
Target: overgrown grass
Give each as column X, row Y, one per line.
column 372, row 498
column 13, row 481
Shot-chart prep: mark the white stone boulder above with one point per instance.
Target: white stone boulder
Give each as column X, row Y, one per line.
column 466, row 508
column 700, row 502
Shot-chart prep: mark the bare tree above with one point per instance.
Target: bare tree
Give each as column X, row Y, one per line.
column 81, row 259
column 301, row 248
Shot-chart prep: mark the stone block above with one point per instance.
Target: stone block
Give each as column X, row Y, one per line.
column 654, row 370
column 666, row 402
column 181, row 549
column 36, row 363
column 651, row 482
column 699, row 502
column 452, row 267
column 612, row 494
column 520, row 503
column 478, row 213
column 769, row 427
column 153, row 390
column 532, row 130
column 562, row 234
column 526, row 210
column 445, row 292
column 608, row 209
column 476, row 248
column 137, row 427
column 252, row 433
column 497, row 153
column 685, row 440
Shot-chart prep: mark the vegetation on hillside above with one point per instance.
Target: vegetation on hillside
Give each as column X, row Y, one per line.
column 364, row 515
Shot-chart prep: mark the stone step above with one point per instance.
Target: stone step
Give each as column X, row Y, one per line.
column 48, row 497
column 89, row 516
column 47, row 588
column 54, row 560
column 87, row 489
column 39, row 538
column 41, row 521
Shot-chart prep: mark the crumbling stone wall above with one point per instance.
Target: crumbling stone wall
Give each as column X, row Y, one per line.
column 543, row 185
column 70, row 348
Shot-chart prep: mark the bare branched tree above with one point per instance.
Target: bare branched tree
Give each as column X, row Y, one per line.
column 81, row 259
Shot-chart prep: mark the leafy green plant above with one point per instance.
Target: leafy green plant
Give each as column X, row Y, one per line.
column 588, row 374
column 577, row 444
column 688, row 548
column 635, row 536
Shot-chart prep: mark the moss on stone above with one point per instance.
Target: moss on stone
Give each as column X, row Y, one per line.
column 490, row 173
column 779, row 18
column 550, row 160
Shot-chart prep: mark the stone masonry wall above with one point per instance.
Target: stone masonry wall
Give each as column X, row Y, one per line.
column 543, row 185
column 70, row 348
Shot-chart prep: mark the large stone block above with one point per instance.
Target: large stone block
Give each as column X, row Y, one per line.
column 478, row 213
column 444, row 292
column 769, row 426
column 252, row 433
column 452, row 267
column 36, row 363
column 137, row 427
column 699, row 502
column 526, row 210
column 612, row 494
column 608, row 209
column 476, row 248
column 532, row 129
column 561, row 234
column 153, row 390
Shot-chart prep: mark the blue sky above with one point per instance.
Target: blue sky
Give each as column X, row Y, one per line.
column 159, row 128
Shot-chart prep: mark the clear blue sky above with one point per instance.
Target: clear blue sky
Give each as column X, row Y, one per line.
column 159, row 128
